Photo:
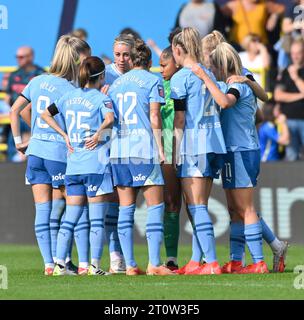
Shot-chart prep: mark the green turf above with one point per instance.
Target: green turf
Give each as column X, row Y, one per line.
column 25, row 280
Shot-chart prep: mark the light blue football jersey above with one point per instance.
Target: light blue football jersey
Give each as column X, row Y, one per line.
column 132, row 94
column 45, row 142
column 202, row 132
column 112, row 73
column 246, row 72
column 238, row 122
column 84, row 111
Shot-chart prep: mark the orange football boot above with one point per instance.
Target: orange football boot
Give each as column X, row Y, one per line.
column 232, row 267
column 207, row 269
column 134, row 271
column 259, row 267
column 159, row 271
column 189, row 267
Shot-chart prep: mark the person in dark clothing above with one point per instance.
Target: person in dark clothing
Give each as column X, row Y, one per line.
column 17, row 81
column 289, row 92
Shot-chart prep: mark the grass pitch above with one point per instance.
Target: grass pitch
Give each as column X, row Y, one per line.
column 26, row 280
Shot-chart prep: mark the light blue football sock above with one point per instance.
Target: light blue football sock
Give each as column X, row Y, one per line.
column 58, row 208
column 204, row 231
column 97, row 213
column 111, row 220
column 155, row 232
column 81, row 236
column 267, row 233
column 237, row 240
column 65, row 234
column 42, row 230
column 69, row 254
column 197, row 252
column 253, row 235
column 125, row 233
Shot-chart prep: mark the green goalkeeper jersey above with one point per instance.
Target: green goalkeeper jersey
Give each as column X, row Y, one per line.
column 167, row 114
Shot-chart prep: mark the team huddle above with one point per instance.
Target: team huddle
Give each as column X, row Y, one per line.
column 102, row 133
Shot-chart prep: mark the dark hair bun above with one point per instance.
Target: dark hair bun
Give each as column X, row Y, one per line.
column 142, row 54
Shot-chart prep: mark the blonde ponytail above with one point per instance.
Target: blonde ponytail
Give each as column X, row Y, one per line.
column 212, row 40
column 226, row 60
column 66, row 58
column 189, row 40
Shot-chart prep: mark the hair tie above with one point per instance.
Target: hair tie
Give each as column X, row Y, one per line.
column 97, row 74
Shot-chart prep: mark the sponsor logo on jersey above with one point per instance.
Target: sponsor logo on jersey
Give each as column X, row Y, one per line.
column 58, row 177
column 161, row 91
column 109, row 105
column 92, row 188
column 140, row 177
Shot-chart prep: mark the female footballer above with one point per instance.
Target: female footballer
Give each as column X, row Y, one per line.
column 46, row 150
column 279, row 248
column 87, row 114
column 122, row 48
column 172, row 188
column 198, row 142
column 242, row 161
column 136, row 155
column 123, row 45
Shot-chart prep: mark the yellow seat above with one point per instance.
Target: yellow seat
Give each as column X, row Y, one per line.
column 5, row 121
column 3, row 147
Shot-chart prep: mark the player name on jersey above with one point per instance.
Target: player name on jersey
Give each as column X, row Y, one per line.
column 80, row 101
column 141, row 83
column 48, row 87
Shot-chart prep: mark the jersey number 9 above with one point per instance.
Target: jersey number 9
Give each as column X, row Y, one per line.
column 42, row 103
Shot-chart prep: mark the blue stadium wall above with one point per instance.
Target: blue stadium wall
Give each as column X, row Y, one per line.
column 36, row 23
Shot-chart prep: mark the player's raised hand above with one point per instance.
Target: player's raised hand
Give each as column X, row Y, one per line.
column 105, row 89
column 196, row 69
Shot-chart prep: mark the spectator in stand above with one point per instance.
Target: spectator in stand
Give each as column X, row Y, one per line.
column 202, row 15
column 292, row 27
column 4, row 114
column 273, row 132
column 17, row 81
column 80, row 34
column 4, row 82
column 255, row 56
column 26, row 71
column 252, row 16
column 293, row 22
column 289, row 92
